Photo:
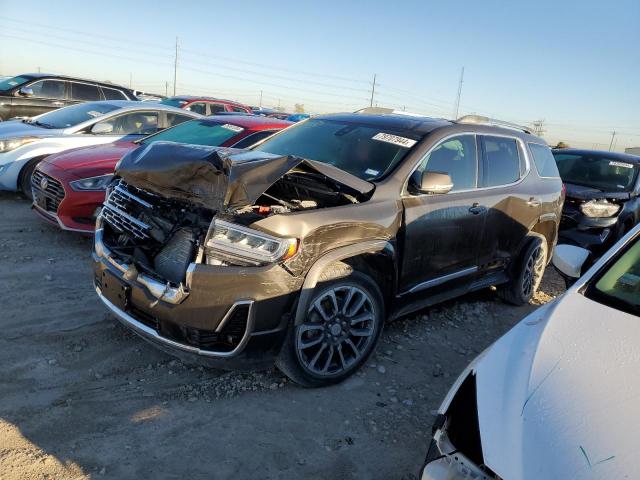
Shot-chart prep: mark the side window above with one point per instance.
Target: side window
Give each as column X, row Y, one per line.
column 198, row 107
column 544, row 160
column 501, row 161
column 238, row 109
column 216, row 108
column 456, row 156
column 82, row 91
column 113, row 94
column 174, row 119
column 48, row 89
column 137, row 123
column 253, row 138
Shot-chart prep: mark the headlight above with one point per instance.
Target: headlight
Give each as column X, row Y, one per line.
column 13, row 143
column 231, row 244
column 599, row 208
column 92, row 183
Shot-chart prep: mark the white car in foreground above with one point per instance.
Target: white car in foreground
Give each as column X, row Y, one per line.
column 24, row 143
column 558, row 396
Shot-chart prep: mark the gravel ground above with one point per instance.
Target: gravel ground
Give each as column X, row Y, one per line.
column 81, row 397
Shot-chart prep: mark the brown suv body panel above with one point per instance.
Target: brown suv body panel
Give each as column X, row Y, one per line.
column 416, row 246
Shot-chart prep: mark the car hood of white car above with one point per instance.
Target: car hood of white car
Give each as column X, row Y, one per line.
column 18, row 129
column 559, row 395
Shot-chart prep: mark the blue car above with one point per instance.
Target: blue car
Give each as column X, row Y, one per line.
column 298, row 117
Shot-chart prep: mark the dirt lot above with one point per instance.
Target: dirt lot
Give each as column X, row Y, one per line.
column 81, row 397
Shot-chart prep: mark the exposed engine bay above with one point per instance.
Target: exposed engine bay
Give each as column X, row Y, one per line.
column 160, row 211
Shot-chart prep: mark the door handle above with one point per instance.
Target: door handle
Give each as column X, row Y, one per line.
column 534, row 202
column 57, row 104
column 476, row 209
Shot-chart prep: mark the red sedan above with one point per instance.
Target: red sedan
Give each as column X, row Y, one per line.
column 206, row 105
column 73, row 182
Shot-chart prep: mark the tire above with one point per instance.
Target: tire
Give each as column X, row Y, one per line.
column 24, row 180
column 325, row 349
column 527, row 274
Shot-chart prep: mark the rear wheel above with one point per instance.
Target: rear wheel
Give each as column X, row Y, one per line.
column 24, row 181
column 528, row 274
column 342, row 326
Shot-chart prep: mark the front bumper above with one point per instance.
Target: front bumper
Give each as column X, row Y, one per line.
column 444, row 462
column 189, row 319
column 592, row 233
column 76, row 211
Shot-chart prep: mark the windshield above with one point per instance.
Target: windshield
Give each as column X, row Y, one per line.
column 197, row 132
column 173, row 102
column 12, row 82
column 366, row 152
column 597, row 171
column 73, row 115
column 619, row 285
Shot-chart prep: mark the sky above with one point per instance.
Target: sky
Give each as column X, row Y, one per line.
column 575, row 65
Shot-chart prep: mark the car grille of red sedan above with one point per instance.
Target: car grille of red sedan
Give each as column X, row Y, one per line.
column 49, row 189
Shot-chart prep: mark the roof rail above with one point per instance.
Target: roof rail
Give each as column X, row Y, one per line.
column 383, row 110
column 481, row 120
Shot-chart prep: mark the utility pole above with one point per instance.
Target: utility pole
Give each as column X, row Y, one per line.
column 166, row 89
column 613, row 135
column 175, row 69
column 538, row 127
column 260, row 98
column 38, row 69
column 455, row 115
column 373, row 90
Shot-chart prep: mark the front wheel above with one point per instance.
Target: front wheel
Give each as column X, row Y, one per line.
column 341, row 329
column 24, row 181
column 528, row 274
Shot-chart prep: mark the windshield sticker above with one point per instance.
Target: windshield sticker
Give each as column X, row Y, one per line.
column 394, row 140
column 233, row 128
column 371, row 171
column 620, row 164
column 93, row 113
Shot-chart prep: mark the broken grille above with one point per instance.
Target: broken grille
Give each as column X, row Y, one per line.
column 50, row 191
column 119, row 209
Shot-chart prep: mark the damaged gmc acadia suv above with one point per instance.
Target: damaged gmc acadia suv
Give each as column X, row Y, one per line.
column 300, row 248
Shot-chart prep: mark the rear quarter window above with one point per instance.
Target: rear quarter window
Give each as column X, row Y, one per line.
column 544, row 160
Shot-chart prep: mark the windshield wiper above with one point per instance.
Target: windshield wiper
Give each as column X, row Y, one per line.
column 41, row 124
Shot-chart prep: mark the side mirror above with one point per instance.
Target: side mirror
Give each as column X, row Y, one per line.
column 102, row 128
column 26, row 91
column 569, row 260
column 432, row 182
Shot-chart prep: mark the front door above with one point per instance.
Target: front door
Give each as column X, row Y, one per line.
column 47, row 95
column 441, row 232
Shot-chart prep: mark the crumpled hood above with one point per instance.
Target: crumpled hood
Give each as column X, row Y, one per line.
column 86, row 161
column 558, row 396
column 580, row 192
column 18, row 129
column 219, row 178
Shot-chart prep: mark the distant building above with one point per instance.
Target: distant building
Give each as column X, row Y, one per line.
column 632, row 150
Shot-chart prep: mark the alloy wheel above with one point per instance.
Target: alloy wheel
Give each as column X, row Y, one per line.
column 533, row 272
column 340, row 327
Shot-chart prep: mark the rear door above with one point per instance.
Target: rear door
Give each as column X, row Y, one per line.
column 84, row 92
column 215, row 108
column 511, row 198
column 442, row 231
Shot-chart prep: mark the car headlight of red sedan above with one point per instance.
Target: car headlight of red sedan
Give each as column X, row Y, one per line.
column 95, row 184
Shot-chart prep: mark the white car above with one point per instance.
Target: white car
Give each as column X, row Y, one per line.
column 558, row 396
column 24, row 143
